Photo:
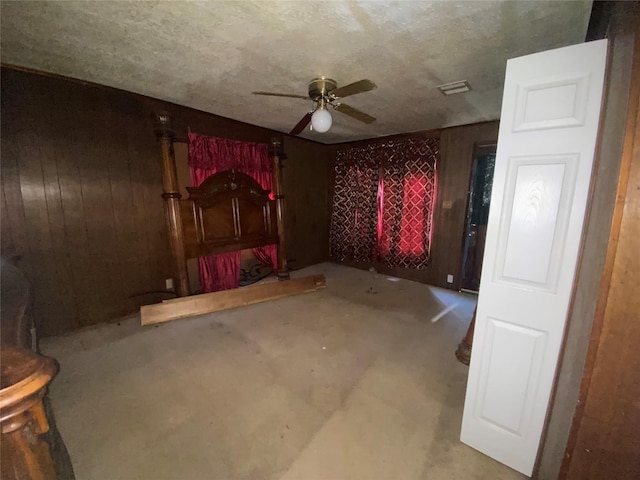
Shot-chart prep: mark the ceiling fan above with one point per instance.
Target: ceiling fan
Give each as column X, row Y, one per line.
column 325, row 92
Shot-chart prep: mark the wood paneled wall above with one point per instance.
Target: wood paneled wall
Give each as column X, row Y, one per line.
column 305, row 175
column 81, row 186
column 454, row 173
column 614, row 24
column 81, row 205
column 605, row 436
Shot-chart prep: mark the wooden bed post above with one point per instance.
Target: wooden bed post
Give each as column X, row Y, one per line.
column 276, row 155
column 463, row 353
column 171, row 196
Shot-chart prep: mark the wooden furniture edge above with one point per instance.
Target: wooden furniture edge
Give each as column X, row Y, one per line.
column 275, row 151
column 34, row 383
column 171, row 196
column 227, row 299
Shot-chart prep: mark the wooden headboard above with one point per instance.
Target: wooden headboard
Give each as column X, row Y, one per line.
column 229, row 211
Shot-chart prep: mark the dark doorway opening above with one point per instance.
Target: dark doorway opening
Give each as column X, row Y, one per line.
column 484, row 158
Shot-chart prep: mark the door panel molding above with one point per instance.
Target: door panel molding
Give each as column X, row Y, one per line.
column 546, row 143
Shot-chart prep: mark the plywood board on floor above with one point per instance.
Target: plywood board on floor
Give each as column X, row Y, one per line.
column 217, row 301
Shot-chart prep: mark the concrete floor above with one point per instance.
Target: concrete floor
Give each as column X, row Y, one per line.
column 351, row 382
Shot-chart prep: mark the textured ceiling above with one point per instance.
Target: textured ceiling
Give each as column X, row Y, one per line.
column 212, row 55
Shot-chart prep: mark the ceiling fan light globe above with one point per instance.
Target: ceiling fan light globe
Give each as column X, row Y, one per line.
column 321, row 120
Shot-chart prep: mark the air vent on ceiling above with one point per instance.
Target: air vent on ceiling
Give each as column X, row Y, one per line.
column 455, row 87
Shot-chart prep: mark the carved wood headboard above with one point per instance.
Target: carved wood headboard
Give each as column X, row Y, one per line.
column 229, row 211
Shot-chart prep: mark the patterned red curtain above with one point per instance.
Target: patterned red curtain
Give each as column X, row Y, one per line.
column 407, row 202
column 384, row 200
column 209, row 155
column 353, row 230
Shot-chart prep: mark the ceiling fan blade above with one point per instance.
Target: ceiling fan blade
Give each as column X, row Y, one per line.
column 354, row 113
column 271, row 94
column 301, row 124
column 353, row 88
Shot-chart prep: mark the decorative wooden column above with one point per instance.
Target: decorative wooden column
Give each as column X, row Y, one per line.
column 24, row 379
column 463, row 353
column 171, row 195
column 276, row 158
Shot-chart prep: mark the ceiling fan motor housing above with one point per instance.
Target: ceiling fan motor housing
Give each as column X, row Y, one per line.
column 320, row 88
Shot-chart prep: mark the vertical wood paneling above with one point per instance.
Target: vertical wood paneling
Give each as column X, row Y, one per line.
column 89, row 196
column 131, row 214
column 62, row 291
column 614, row 22
column 81, row 195
column 605, row 438
column 454, row 172
column 306, row 185
column 67, row 139
column 97, row 204
column 40, row 243
column 144, row 269
column 6, row 238
column 123, row 214
column 13, row 223
column 607, row 443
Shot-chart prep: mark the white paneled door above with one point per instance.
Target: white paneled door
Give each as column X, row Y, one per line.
column 548, row 128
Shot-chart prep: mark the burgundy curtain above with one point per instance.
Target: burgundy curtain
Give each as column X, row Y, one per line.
column 209, row 155
column 407, row 202
column 353, row 230
column 383, row 204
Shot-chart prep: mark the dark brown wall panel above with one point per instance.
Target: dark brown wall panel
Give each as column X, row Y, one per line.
column 565, row 400
column 604, row 441
column 81, row 186
column 607, row 437
column 306, row 185
column 454, row 172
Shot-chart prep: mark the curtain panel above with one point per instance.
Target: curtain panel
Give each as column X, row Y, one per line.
column 408, row 191
column 209, row 155
column 212, row 153
column 353, row 230
column 384, row 201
